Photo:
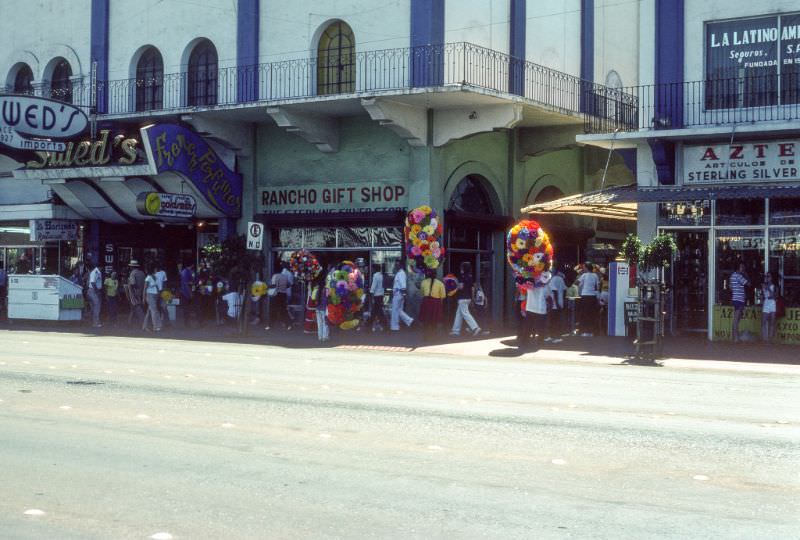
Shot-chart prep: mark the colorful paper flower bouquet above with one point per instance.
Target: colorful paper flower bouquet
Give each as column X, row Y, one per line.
column 424, row 249
column 345, row 288
column 529, row 253
column 450, row 284
column 304, row 265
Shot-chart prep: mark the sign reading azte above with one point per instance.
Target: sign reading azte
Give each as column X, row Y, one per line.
column 765, row 161
column 371, row 196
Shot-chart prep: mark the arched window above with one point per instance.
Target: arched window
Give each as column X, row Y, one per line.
column 202, row 78
column 150, row 81
column 60, row 83
column 23, row 80
column 471, row 197
column 336, row 68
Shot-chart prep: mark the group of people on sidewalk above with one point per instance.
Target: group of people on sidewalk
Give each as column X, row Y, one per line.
column 544, row 307
column 434, row 303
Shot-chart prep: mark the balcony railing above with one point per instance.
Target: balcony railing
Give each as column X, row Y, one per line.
column 366, row 72
column 717, row 102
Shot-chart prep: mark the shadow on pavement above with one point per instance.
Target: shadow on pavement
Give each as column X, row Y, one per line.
column 503, row 344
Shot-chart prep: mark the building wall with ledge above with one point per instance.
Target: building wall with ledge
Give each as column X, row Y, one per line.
column 38, row 31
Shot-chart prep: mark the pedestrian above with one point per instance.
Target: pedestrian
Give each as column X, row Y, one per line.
column 466, row 283
column 94, row 288
column 557, row 312
column 136, row 291
column 430, row 311
column 186, row 292
column 738, row 282
column 111, row 285
column 321, row 296
column 769, row 292
column 534, row 314
column 279, row 303
column 161, row 280
column 3, row 290
column 399, row 293
column 150, row 299
column 588, row 286
column 233, row 303
column 377, row 317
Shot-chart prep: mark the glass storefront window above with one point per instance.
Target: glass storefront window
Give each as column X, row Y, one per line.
column 684, row 213
column 318, row 238
column 784, row 263
column 740, row 211
column 463, row 238
column 387, row 236
column 784, row 211
column 354, row 237
column 734, row 247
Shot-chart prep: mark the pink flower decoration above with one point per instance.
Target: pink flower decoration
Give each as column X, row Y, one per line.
column 416, row 251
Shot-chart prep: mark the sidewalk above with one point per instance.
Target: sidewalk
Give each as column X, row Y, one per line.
column 500, row 345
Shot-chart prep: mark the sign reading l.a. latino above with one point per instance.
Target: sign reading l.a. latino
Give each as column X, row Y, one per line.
column 41, row 117
column 53, row 229
column 173, row 205
column 367, row 196
column 764, row 161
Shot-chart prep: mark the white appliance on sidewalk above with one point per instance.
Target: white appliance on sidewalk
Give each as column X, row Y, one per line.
column 41, row 297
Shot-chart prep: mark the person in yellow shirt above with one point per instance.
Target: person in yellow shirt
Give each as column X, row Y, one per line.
column 111, row 286
column 430, row 311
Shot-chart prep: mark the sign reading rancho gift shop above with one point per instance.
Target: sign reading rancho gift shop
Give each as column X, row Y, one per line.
column 369, row 196
column 765, row 161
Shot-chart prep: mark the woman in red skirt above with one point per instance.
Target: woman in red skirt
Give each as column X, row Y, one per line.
column 430, row 312
column 312, row 301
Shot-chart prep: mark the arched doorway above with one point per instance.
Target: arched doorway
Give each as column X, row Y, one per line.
column 569, row 234
column 475, row 231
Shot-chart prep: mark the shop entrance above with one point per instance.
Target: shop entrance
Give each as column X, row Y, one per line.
column 687, row 277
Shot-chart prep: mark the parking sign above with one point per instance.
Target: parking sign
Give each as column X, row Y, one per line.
column 255, row 235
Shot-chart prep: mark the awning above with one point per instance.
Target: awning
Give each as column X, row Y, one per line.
column 621, row 202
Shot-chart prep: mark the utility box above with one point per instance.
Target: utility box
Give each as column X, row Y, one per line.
column 46, row 298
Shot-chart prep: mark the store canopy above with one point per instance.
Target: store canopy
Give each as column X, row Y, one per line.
column 621, row 202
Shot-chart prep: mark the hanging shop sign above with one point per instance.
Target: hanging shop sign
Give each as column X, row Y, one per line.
column 172, row 147
column 172, row 205
column 43, row 230
column 357, row 197
column 41, row 117
column 103, row 151
column 767, row 161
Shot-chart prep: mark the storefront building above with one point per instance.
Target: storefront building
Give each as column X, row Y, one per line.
column 719, row 158
column 334, row 133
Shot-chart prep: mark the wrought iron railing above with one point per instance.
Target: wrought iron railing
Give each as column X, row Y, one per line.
column 714, row 102
column 387, row 70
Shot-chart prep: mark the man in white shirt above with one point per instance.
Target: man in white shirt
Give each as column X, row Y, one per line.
column 399, row 287
column 589, row 287
column 376, row 292
column 534, row 315
column 555, row 318
column 95, row 285
column 234, row 301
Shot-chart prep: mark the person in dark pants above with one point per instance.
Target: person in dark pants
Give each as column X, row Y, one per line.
column 534, row 312
column 186, row 291
column 588, row 287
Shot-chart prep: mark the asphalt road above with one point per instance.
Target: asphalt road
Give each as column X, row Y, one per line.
column 104, row 437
